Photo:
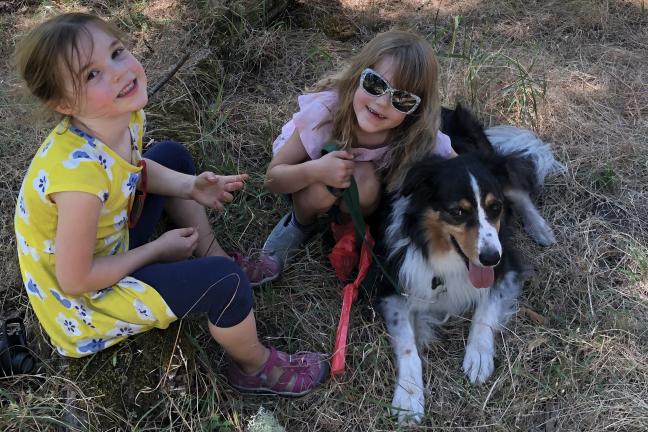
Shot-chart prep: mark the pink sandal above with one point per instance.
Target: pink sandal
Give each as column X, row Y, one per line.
column 283, row 374
column 259, row 269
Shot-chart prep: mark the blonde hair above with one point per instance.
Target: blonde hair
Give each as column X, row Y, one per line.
column 417, row 72
column 48, row 53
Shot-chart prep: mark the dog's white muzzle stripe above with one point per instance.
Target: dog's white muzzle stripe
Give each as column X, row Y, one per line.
column 488, row 244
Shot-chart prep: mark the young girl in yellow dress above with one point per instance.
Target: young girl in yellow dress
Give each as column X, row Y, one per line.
column 93, row 282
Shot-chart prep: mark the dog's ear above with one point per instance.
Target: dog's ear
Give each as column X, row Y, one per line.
column 421, row 175
column 467, row 132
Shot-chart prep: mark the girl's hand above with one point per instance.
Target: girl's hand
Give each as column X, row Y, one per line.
column 214, row 191
column 336, row 169
column 177, row 244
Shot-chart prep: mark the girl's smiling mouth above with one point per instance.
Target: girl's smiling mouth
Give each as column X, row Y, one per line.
column 128, row 90
column 376, row 114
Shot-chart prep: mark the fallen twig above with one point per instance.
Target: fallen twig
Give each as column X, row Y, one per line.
column 169, row 75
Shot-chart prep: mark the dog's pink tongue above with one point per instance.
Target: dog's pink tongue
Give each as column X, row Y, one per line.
column 481, row 277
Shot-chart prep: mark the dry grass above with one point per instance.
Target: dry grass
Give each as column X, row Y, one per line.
column 573, row 70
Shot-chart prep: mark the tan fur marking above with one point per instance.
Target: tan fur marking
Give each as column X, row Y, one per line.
column 465, row 204
column 467, row 240
column 435, row 233
column 490, row 199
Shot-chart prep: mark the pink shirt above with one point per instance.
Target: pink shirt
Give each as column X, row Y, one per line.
column 315, row 108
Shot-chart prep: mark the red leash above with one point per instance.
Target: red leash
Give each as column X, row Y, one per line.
column 344, row 258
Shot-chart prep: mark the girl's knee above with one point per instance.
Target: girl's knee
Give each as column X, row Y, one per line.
column 369, row 199
column 366, row 172
column 369, row 187
column 232, row 281
column 315, row 197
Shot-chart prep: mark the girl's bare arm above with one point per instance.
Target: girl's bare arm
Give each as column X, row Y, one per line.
column 291, row 170
column 79, row 271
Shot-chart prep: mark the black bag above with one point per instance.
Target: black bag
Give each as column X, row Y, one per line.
column 15, row 357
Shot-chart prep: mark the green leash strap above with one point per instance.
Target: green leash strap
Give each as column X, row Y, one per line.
column 351, row 198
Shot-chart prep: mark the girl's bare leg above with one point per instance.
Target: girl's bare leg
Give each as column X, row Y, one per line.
column 368, row 187
column 189, row 213
column 312, row 201
column 242, row 344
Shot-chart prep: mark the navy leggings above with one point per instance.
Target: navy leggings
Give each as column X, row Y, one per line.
column 215, row 285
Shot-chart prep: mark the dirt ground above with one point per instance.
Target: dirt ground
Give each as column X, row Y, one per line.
column 576, row 356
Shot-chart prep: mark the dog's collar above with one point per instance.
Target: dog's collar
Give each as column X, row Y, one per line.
column 437, row 285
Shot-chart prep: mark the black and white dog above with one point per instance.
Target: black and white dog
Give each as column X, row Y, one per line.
column 445, row 241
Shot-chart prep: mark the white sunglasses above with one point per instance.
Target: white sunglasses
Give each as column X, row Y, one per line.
column 375, row 85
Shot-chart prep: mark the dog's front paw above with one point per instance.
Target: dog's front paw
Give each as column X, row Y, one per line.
column 478, row 364
column 407, row 405
column 540, row 231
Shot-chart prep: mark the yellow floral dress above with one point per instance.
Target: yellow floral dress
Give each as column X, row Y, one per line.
column 71, row 160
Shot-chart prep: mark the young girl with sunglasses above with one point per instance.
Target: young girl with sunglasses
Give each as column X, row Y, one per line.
column 384, row 111
column 90, row 280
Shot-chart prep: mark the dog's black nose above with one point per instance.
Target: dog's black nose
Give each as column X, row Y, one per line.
column 489, row 258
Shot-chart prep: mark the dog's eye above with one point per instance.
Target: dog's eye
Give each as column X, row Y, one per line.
column 458, row 213
column 495, row 209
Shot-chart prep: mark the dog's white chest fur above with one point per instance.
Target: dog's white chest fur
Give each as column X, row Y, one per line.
column 455, row 294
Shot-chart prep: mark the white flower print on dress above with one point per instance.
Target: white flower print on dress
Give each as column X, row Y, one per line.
column 69, row 325
column 132, row 283
column 120, row 220
column 22, row 207
column 32, row 287
column 89, row 139
column 22, row 244
column 46, row 147
column 129, row 185
column 116, row 248
column 112, row 239
column 143, row 311
column 106, row 162
column 103, row 196
column 48, row 247
column 124, row 329
column 25, row 248
column 40, row 185
column 82, row 154
column 100, row 293
column 93, row 151
column 115, row 242
column 65, row 302
column 83, row 312
column 89, row 346
column 88, row 153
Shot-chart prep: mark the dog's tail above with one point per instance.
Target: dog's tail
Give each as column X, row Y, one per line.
column 509, row 140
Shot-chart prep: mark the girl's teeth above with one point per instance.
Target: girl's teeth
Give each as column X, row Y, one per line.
column 127, row 89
